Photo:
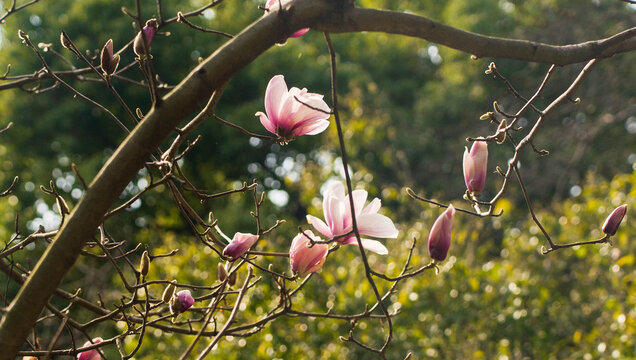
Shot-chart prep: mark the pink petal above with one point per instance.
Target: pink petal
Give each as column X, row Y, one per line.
column 271, row 127
column 371, row 245
column 299, row 33
column 372, row 208
column 359, row 198
column 376, row 225
column 311, row 128
column 320, row 226
column 336, row 216
column 275, row 95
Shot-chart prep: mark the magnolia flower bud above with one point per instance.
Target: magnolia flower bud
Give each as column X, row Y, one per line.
column 144, row 264
column 109, row 61
column 475, row 165
column 241, row 242
column 181, row 302
column 610, row 226
column 231, row 280
column 440, row 237
column 149, row 32
column 304, row 259
column 92, row 354
column 221, row 273
column 168, row 292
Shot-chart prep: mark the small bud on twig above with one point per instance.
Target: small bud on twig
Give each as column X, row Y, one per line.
column 221, row 272
column 144, row 265
column 168, row 292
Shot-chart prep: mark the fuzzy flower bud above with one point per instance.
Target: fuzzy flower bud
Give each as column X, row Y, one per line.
column 149, row 32
column 304, row 259
column 168, row 292
column 231, row 280
column 475, row 165
column 221, row 273
column 440, row 237
column 109, row 61
column 92, row 354
column 144, row 264
column 610, row 226
column 241, row 242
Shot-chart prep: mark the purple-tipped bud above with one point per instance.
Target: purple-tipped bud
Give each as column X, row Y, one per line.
column 440, row 237
column 241, row 242
column 304, row 259
column 475, row 164
column 181, row 302
column 149, row 33
column 610, row 226
column 109, row 60
column 92, row 354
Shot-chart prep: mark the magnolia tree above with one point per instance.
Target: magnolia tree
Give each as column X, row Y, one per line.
column 349, row 216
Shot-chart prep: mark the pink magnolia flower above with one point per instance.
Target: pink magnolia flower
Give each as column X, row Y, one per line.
column 184, row 300
column 92, row 354
column 304, row 259
column 610, row 226
column 292, row 112
column 475, row 164
column 337, row 212
column 241, row 242
column 440, row 237
column 149, row 30
column 272, row 5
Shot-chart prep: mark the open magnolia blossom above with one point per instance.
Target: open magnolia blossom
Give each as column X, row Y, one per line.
column 304, row 259
column 475, row 166
column 337, row 212
column 272, row 5
column 92, row 354
column 293, row 112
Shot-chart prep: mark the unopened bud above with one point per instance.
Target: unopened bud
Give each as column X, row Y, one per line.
column 109, row 61
column 610, row 226
column 485, row 116
column 231, row 279
column 168, row 292
column 221, row 272
column 440, row 237
column 144, row 264
column 181, row 302
column 149, row 32
column 23, row 36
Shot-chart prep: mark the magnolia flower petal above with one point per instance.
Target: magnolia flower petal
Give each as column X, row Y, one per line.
column 359, row 199
column 372, row 208
column 371, row 245
column 267, row 123
column 376, row 225
column 320, row 226
column 299, row 33
column 336, row 217
column 311, row 127
column 274, row 97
